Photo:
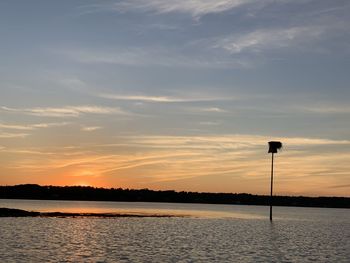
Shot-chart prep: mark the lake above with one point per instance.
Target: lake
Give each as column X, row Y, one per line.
column 206, row 233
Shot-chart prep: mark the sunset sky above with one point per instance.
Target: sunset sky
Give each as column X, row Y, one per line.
column 176, row 94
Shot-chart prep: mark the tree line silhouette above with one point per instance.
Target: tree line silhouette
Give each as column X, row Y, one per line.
column 87, row 193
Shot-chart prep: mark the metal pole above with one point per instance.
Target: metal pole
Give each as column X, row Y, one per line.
column 271, row 189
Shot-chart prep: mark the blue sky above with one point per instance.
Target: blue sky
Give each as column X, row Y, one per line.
column 113, row 84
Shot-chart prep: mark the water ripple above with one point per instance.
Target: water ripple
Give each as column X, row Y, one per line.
column 172, row 240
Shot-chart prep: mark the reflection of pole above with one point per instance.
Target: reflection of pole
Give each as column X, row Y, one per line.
column 271, row 188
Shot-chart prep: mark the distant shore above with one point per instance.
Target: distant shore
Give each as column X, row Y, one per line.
column 86, row 193
column 11, row 212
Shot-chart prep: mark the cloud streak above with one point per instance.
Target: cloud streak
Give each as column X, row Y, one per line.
column 157, row 56
column 7, row 135
column 212, row 109
column 195, row 8
column 91, row 128
column 345, row 109
column 221, row 142
column 143, row 98
column 31, row 126
column 160, row 99
column 68, row 111
column 269, row 39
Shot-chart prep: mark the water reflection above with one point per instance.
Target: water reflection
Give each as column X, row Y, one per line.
column 139, row 208
column 208, row 239
column 274, row 236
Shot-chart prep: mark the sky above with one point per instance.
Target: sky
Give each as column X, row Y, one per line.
column 180, row 94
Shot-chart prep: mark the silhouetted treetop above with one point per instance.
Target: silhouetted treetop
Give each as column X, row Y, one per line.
column 88, row 193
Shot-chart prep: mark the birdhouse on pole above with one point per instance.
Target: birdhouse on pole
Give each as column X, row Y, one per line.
column 274, row 146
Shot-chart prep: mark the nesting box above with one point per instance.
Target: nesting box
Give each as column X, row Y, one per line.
column 274, row 146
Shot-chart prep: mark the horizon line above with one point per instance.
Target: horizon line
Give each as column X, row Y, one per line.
column 172, row 190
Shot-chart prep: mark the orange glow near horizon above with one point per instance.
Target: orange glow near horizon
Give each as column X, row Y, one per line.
column 208, row 164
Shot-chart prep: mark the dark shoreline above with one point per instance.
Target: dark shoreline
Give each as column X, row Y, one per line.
column 11, row 212
column 86, row 193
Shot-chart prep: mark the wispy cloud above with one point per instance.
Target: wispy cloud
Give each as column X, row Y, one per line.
column 221, row 142
column 345, row 109
column 25, row 127
column 291, row 31
column 195, row 8
column 228, row 141
column 147, row 56
column 7, row 135
column 68, row 111
column 163, row 99
column 142, row 98
column 91, row 128
column 269, row 39
column 211, row 109
column 31, row 126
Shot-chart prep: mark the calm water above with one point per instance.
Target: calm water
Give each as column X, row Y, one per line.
column 210, row 233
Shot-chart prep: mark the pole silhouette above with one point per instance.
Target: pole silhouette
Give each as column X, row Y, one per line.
column 271, row 190
column 273, row 148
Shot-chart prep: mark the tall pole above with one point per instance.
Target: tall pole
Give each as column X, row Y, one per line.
column 271, row 188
